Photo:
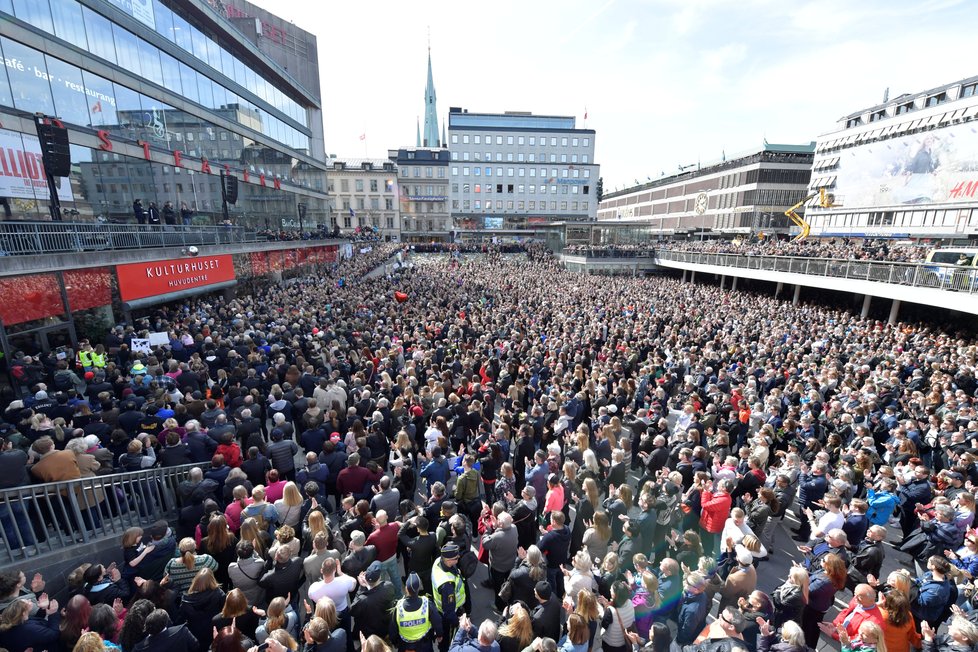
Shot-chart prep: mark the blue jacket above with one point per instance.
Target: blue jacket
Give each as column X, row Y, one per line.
column 435, row 471
column 881, row 506
column 810, row 489
column 821, row 592
column 943, row 535
column 468, row 641
column 932, row 600
column 855, row 528
column 37, row 633
column 692, row 617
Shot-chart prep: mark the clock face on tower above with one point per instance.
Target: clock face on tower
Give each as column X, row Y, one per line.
column 701, row 203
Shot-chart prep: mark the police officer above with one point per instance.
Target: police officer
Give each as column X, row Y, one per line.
column 449, row 591
column 416, row 621
column 84, row 357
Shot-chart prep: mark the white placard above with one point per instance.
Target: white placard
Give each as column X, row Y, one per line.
column 140, row 346
column 159, row 339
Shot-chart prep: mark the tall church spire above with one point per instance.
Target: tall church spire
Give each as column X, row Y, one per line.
column 430, row 111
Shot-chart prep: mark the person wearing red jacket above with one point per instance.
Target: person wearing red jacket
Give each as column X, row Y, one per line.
column 862, row 608
column 714, row 510
column 230, row 450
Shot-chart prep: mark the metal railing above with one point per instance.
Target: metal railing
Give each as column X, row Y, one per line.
column 27, row 238
column 923, row 275
column 43, row 518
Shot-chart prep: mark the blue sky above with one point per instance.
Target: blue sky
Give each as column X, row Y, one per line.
column 665, row 82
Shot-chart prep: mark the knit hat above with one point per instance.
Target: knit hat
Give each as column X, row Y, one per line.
column 543, row 590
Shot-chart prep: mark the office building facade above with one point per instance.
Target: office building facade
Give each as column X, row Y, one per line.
column 160, row 97
column 746, row 194
column 902, row 169
column 364, row 193
column 513, row 170
column 422, row 174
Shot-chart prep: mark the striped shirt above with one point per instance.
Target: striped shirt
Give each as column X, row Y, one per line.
column 181, row 576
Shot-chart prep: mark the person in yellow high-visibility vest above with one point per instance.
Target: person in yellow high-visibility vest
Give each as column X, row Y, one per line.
column 448, row 587
column 416, row 621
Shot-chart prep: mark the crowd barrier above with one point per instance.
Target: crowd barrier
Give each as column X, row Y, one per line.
column 43, row 518
column 28, row 238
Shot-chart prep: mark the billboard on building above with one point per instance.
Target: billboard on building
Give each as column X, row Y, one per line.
column 22, row 170
column 140, row 280
column 933, row 167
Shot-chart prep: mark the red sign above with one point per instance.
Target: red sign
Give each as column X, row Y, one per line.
column 139, row 280
column 26, row 298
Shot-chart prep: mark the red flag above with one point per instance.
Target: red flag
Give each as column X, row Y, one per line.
column 363, row 136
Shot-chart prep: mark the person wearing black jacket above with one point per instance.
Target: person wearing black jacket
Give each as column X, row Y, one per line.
column 161, row 637
column 283, row 577
column 555, row 545
column 867, row 559
column 105, row 585
column 371, row 608
column 176, row 452
column 422, row 547
column 546, row 615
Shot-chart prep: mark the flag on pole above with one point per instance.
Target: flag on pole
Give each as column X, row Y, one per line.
column 585, row 113
column 97, row 107
column 352, row 214
column 363, row 136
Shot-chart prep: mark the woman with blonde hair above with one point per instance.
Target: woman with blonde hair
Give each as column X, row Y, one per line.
column 516, row 631
column 202, row 602
column 597, row 536
column 576, row 638
column 181, row 571
column 581, row 578
column 589, row 609
column 326, row 609
column 645, row 601
column 869, row 639
column 257, row 537
column 792, row 638
column 315, row 523
column 289, row 506
column 285, row 538
column 278, row 616
column 791, row 597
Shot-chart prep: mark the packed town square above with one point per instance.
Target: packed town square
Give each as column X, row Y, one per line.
column 484, row 452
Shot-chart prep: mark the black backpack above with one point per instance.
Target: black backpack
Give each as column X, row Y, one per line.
column 62, row 381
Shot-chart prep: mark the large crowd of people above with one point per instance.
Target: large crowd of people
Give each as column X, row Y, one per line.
column 613, row 455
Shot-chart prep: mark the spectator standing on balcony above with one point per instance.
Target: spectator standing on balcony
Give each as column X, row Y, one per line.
column 139, row 212
column 169, row 215
column 186, row 214
column 154, row 214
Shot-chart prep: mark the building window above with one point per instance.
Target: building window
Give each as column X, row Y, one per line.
column 455, row 139
column 427, row 172
column 465, row 187
column 465, row 171
column 344, row 185
column 553, row 141
column 375, row 203
column 533, row 189
column 574, row 142
column 465, row 156
column 465, row 139
column 584, row 158
column 533, row 205
column 878, row 115
column 934, row 100
column 521, row 172
column 499, row 140
column 519, row 189
column 477, row 139
column 533, row 140
column 389, row 204
column 477, row 170
column 509, row 140
column 441, row 173
column 520, row 140
column 587, row 174
column 373, row 185
column 969, row 90
column 905, row 108
column 359, row 185
column 553, row 158
column 488, row 171
column 417, row 173
column 454, row 156
column 454, row 171
column 587, row 142
column 563, row 142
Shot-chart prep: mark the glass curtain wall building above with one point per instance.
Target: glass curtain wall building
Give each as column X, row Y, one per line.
column 159, row 97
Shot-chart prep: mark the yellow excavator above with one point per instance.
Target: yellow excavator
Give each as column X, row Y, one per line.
column 825, row 200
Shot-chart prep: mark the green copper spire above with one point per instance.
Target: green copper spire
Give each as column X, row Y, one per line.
column 430, row 112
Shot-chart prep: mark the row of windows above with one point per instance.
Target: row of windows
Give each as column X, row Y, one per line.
column 519, row 189
column 91, row 31
column 358, row 185
column 361, row 204
column 373, row 221
column 520, row 157
column 566, row 173
column 412, row 207
column 477, row 139
column 509, row 205
column 424, row 225
column 428, row 172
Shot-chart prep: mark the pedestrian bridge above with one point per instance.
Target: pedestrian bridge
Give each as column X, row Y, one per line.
column 930, row 285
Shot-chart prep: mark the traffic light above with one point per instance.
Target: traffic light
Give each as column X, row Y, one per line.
column 55, row 151
column 230, row 188
column 600, row 188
